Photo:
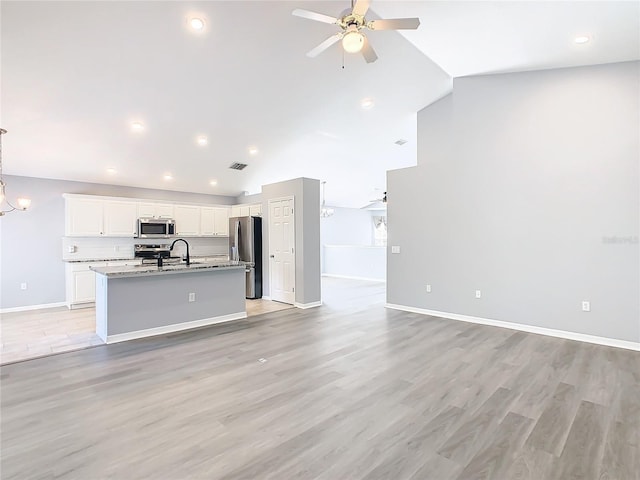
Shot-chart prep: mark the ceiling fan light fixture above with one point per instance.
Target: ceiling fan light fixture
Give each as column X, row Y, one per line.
column 353, row 41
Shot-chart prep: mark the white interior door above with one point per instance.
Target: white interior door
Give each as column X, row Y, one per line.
column 282, row 265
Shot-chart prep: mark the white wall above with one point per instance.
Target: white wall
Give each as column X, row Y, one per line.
column 31, row 241
column 527, row 188
column 347, row 238
column 347, row 226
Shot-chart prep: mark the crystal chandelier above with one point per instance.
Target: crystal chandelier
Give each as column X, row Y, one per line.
column 23, row 203
column 324, row 211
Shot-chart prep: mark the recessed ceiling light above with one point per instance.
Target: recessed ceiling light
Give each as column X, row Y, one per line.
column 111, row 171
column 196, row 23
column 253, row 150
column 581, row 39
column 168, row 176
column 202, row 140
column 213, row 182
column 367, row 103
column 137, row 126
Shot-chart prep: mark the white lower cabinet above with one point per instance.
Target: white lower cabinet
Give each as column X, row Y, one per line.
column 81, row 284
column 81, row 281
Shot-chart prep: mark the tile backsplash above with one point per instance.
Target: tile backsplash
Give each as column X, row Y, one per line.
column 92, row 248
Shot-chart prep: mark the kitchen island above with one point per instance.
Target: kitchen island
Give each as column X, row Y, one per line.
column 141, row 301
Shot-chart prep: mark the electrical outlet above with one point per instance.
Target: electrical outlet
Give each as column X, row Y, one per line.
column 395, row 249
column 192, row 297
column 23, row 286
column 586, row 306
column 428, row 288
column 116, row 248
column 478, row 294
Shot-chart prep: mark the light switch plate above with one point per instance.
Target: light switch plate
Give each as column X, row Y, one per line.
column 395, row 249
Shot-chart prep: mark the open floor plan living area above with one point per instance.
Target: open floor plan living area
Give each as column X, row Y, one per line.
column 320, row 240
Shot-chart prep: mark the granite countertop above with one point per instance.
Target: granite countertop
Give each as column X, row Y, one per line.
column 172, row 268
column 81, row 260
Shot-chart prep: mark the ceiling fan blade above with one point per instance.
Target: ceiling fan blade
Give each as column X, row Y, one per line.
column 324, row 45
column 394, row 24
column 361, row 7
column 368, row 52
column 319, row 17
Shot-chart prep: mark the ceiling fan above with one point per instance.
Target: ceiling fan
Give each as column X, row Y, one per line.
column 379, row 203
column 352, row 21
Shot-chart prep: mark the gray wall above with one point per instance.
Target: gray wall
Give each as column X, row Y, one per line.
column 30, row 247
column 306, row 193
column 527, row 188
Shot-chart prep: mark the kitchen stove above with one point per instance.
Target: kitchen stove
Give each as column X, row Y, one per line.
column 151, row 251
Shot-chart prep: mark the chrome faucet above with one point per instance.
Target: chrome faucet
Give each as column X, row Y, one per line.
column 186, row 243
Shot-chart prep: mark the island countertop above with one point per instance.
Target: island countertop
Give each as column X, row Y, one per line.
column 170, row 268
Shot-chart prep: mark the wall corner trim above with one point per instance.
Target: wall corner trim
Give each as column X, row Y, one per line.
column 580, row 337
column 307, row 305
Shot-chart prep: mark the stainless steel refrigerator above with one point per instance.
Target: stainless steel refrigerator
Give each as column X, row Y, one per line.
column 245, row 244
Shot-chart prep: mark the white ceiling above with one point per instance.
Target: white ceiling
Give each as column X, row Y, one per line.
column 76, row 74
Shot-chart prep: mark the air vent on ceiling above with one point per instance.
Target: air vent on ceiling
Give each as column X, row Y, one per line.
column 238, row 166
column 400, row 141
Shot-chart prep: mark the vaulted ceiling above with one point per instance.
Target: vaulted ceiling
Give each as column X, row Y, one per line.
column 76, row 75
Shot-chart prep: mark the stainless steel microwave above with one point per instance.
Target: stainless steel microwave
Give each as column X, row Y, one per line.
column 156, row 227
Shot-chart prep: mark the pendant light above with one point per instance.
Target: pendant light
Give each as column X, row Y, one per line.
column 23, row 203
column 324, row 211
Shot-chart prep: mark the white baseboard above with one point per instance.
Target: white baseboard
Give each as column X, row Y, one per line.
column 354, row 278
column 265, row 297
column 33, row 307
column 176, row 327
column 580, row 337
column 307, row 305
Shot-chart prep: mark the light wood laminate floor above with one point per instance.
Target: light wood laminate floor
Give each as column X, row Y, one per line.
column 349, row 390
column 37, row 333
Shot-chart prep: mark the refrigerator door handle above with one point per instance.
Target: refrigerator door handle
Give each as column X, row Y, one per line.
column 236, row 240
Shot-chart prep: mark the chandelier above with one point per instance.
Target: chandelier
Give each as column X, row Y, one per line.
column 324, row 211
column 23, row 203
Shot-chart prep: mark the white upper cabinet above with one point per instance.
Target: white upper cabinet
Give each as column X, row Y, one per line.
column 187, row 220
column 95, row 216
column 89, row 217
column 84, row 217
column 221, row 221
column 255, row 210
column 207, row 221
column 120, row 219
column 155, row 210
